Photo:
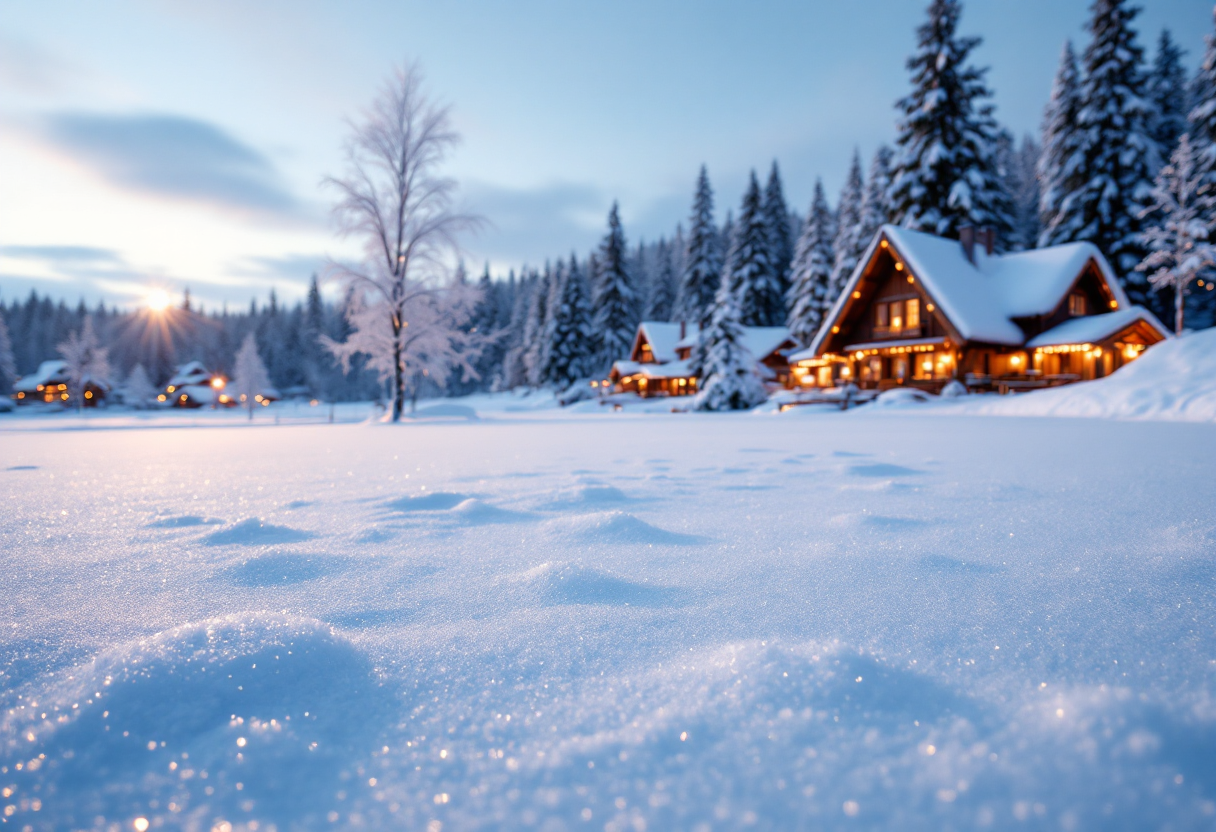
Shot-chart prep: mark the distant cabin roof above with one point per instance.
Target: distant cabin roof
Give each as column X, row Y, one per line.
column 47, row 370
column 1093, row 328
column 663, row 338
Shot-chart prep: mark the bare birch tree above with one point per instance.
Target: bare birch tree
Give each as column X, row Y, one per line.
column 409, row 315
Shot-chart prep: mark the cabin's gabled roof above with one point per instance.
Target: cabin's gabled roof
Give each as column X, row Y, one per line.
column 1093, row 328
column 663, row 338
column 982, row 299
column 55, row 369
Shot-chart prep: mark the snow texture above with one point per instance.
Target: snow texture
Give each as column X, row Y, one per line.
column 912, row 618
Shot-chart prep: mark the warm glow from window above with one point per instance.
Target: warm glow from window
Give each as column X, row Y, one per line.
column 88, row 394
column 157, row 300
column 161, row 397
column 217, row 383
column 912, row 312
column 170, row 389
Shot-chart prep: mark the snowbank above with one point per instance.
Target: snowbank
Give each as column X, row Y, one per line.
column 1174, row 380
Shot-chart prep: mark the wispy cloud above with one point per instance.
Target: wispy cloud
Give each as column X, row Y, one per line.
column 174, row 156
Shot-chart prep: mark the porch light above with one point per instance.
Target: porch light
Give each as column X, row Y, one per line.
column 88, row 394
column 1114, row 304
column 595, row 384
column 1015, row 360
column 258, row 397
column 21, row 395
column 161, row 397
column 63, row 387
column 1097, row 352
column 183, row 397
column 170, row 389
column 41, row 387
column 217, row 383
column 63, row 396
column 860, row 355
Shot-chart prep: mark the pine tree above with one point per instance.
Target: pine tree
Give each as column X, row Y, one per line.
column 946, row 175
column 249, row 376
column 661, row 298
column 777, row 218
column 570, row 355
column 702, row 259
column 729, row 380
column 8, row 365
column 1183, row 208
column 748, row 265
column 1116, row 158
column 86, row 359
column 1019, row 165
column 514, row 370
column 1202, row 129
column 1058, row 171
column 138, row 391
column 614, row 299
column 850, row 240
column 875, row 206
column 1167, row 90
column 810, row 295
column 534, row 328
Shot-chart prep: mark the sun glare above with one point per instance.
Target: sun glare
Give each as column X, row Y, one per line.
column 157, row 300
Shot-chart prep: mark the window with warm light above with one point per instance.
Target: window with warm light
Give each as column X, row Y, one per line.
column 880, row 314
column 1077, row 304
column 897, row 314
column 912, row 312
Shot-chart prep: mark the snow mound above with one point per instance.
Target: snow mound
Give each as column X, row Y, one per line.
column 228, row 718
column 589, row 495
column 444, row 411
column 475, row 512
column 435, row 501
column 1174, row 380
column 574, row 583
column 182, row 521
column 255, row 532
column 902, row 397
column 283, row 568
column 616, row 527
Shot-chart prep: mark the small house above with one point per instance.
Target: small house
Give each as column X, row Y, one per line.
column 921, row 310
column 49, row 384
column 193, row 385
column 658, row 364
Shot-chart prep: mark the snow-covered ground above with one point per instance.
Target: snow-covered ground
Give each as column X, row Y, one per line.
column 549, row 619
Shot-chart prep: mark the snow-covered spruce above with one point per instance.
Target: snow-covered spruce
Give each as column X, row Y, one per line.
column 1167, row 91
column 86, row 359
column 729, row 380
column 777, row 218
column 614, row 300
column 875, row 205
column 1058, row 160
column 661, row 289
column 249, row 377
column 809, row 297
column 702, row 259
column 848, row 244
column 749, row 268
column 946, row 175
column 569, row 355
column 1180, row 225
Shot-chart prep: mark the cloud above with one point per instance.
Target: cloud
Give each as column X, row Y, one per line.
column 62, row 254
column 29, row 69
column 174, row 156
column 297, row 268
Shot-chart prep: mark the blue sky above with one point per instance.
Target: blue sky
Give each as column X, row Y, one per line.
column 153, row 143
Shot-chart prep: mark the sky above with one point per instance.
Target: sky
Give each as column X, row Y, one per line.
column 156, row 144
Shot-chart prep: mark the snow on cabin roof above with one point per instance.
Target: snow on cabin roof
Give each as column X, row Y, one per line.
column 55, row 369
column 1034, row 282
column 1092, row 328
column 663, row 338
column 762, row 341
column 971, row 303
column 671, row 369
column 190, row 373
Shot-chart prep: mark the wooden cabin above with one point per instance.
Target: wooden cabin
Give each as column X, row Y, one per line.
column 658, row 362
column 49, row 384
column 921, row 310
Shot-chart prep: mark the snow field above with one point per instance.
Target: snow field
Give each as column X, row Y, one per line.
column 620, row 621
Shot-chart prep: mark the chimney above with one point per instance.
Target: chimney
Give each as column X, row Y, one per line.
column 683, row 327
column 966, row 237
column 988, row 238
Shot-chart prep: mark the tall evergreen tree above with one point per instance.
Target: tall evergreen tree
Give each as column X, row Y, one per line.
column 810, row 296
column 729, row 380
column 1201, row 306
column 615, row 300
column 570, row 354
column 748, row 265
column 661, row 298
column 875, row 206
column 777, row 218
column 1167, row 90
column 946, row 175
column 1058, row 169
column 534, row 328
column 1116, row 158
column 702, row 259
column 850, row 239
column 8, row 365
column 1020, row 167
